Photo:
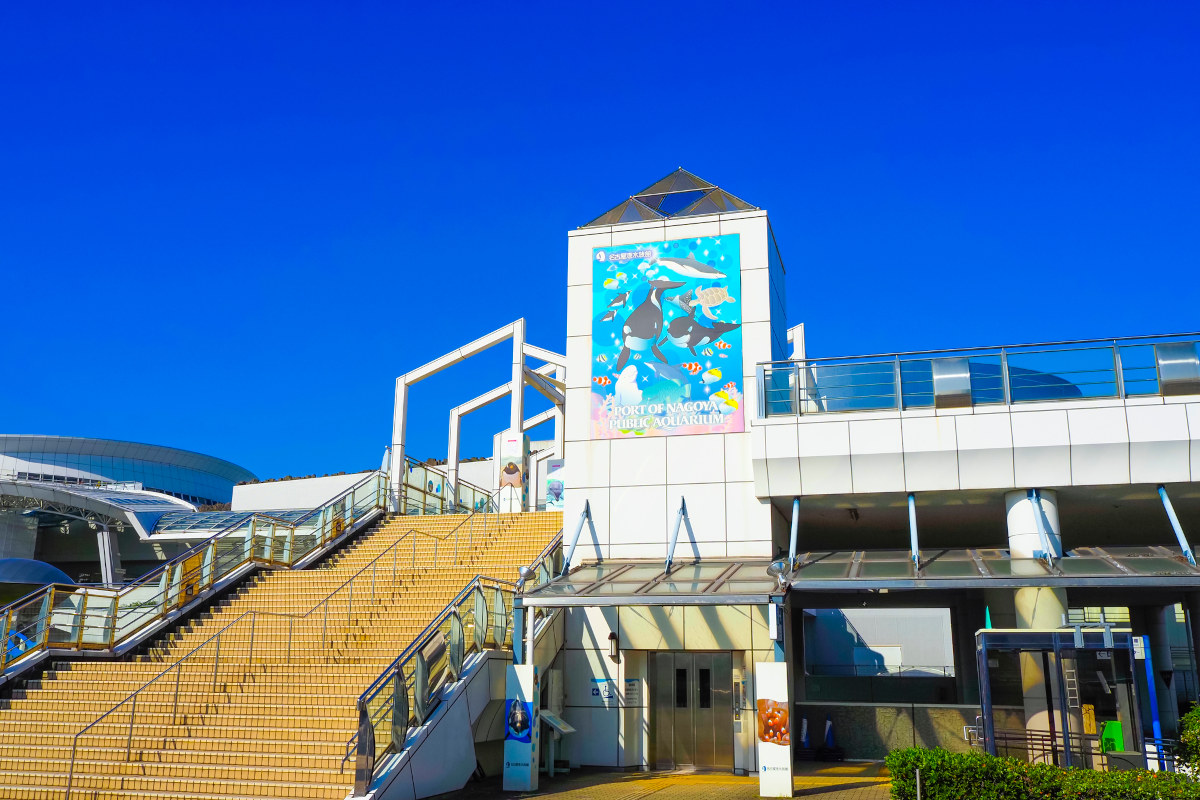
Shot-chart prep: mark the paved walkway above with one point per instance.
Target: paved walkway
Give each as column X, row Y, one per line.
column 845, row 781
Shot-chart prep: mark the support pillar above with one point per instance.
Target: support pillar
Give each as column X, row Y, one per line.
column 399, row 467
column 110, row 555
column 1030, row 525
column 1154, row 622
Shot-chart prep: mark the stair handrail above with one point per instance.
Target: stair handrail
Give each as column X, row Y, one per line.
column 253, row 614
column 389, row 673
column 185, row 576
column 420, row 642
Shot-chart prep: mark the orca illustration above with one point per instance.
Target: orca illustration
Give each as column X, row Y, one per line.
column 687, row 332
column 690, row 267
column 644, row 326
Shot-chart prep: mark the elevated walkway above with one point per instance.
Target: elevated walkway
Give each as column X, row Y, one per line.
column 257, row 696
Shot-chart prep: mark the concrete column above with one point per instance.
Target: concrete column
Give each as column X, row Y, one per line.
column 1035, row 606
column 1155, row 621
column 452, row 457
column 965, row 619
column 110, row 555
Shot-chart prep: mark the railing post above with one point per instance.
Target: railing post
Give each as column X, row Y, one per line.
column 1118, row 371
column 175, row 709
column 899, row 385
column 129, row 741
column 325, row 623
column 289, row 646
column 1004, row 377
column 250, row 657
column 350, row 605
column 216, row 661
column 374, row 563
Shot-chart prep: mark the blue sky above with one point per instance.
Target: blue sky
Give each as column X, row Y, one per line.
column 228, row 227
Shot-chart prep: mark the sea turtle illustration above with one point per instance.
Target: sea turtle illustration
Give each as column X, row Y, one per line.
column 713, row 296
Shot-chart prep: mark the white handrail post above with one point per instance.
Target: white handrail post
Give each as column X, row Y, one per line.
column 1179, row 534
column 914, row 546
column 795, row 533
column 679, row 517
column 584, row 516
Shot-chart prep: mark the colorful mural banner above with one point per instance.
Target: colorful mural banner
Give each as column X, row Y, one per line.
column 667, row 338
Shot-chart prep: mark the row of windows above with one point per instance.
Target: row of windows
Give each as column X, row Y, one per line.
column 70, row 480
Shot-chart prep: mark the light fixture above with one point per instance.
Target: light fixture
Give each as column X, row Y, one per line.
column 613, row 652
column 526, row 573
column 779, row 571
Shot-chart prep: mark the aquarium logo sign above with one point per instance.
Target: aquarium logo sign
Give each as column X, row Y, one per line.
column 667, row 338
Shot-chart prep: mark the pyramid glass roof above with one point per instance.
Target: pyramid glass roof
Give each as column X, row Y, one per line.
column 680, row 194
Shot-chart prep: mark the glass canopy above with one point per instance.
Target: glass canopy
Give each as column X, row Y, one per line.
column 645, row 583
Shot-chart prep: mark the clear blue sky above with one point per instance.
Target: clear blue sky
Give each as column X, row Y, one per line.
column 228, row 226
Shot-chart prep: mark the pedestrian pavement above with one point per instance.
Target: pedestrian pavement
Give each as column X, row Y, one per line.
column 842, row 781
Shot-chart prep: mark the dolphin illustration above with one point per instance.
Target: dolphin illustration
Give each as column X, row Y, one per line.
column 687, row 332
column 619, row 300
column 690, row 267
column 643, row 327
column 667, row 372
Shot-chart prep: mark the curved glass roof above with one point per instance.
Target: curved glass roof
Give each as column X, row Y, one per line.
column 214, row 521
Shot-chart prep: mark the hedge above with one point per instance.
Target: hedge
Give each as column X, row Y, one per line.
column 977, row 776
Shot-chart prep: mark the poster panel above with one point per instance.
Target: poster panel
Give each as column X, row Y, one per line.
column 773, row 729
column 521, row 728
column 667, row 338
column 554, row 484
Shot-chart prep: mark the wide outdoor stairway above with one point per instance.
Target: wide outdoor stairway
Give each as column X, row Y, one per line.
column 264, row 710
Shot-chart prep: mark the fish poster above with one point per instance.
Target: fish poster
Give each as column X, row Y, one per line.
column 667, row 338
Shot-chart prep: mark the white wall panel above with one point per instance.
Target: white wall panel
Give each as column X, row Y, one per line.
column 756, row 298
column 1099, row 446
column 687, row 228
column 638, row 233
column 597, row 744
column 590, row 548
column 641, row 461
column 588, row 463
column 706, row 510
column 824, row 457
column 1193, row 417
column 579, row 362
column 696, row 459
column 753, row 232
column 1158, row 444
column 985, row 451
column 637, row 513
column 578, row 423
column 930, row 453
column 876, row 455
column 579, row 255
column 737, row 457
column 1041, row 448
column 579, row 310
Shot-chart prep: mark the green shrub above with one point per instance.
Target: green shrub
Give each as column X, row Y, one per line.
column 1188, row 753
column 977, row 776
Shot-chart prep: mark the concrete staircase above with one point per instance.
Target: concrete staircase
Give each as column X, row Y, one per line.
column 266, row 708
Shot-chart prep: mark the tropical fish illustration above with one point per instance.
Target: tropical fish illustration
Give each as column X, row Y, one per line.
column 711, row 376
column 645, row 324
column 612, row 267
column 725, row 402
column 609, row 317
column 619, row 300
column 610, row 283
column 694, row 367
column 723, row 345
column 637, row 356
column 722, row 355
column 626, row 392
column 650, row 273
column 603, row 380
column 711, row 297
column 621, row 276
column 708, row 351
column 687, row 332
column 602, row 358
column 730, row 387
column 642, row 267
column 690, row 267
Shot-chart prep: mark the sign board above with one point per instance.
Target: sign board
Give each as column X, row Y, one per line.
column 604, row 690
column 773, row 729
column 1089, row 719
column 667, row 338
column 633, row 691
column 513, row 484
column 522, row 724
column 554, row 484
column 1139, row 648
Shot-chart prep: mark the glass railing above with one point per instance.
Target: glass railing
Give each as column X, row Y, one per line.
column 1111, row 368
column 426, row 490
column 409, row 690
column 79, row 618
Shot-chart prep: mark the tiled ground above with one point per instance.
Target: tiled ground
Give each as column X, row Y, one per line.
column 847, row 781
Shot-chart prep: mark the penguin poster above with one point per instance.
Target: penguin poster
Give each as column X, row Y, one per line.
column 667, row 338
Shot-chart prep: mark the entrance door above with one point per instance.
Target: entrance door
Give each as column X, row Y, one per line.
column 691, row 722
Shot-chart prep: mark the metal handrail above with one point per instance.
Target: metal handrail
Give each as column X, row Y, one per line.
column 423, row 639
column 254, row 614
column 447, row 504
column 1106, row 340
column 418, row 643
column 186, row 578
